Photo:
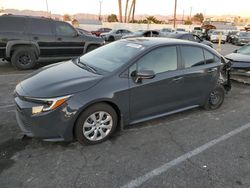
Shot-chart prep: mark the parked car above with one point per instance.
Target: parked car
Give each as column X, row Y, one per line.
column 100, row 31
column 166, row 31
column 241, row 38
column 115, row 34
column 190, row 37
column 231, row 36
column 209, row 33
column 180, row 30
column 215, row 35
column 128, row 81
column 247, row 27
column 143, row 33
column 26, row 41
column 83, row 31
column 240, row 59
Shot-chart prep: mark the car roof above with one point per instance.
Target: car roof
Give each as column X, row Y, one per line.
column 24, row 16
column 179, row 34
column 155, row 41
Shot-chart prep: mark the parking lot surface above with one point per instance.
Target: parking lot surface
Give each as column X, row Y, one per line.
column 196, row 148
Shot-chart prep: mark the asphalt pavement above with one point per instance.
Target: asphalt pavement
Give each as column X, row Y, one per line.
column 196, row 149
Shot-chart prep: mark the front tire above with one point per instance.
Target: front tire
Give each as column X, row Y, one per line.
column 96, row 124
column 216, row 98
column 24, row 58
column 91, row 48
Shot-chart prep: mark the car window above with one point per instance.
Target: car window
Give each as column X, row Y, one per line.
column 64, row 29
column 244, row 50
column 196, row 38
column 41, row 27
column 209, row 57
column 159, row 60
column 9, row 24
column 192, row 56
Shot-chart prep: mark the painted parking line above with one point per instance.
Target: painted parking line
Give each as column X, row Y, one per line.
column 165, row 167
column 7, row 106
column 17, row 74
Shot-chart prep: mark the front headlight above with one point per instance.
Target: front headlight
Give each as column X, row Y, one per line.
column 47, row 104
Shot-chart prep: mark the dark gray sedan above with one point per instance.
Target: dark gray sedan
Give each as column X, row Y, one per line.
column 122, row 83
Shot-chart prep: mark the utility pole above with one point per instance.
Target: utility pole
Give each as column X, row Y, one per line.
column 175, row 6
column 190, row 16
column 47, row 6
column 100, row 11
column 183, row 16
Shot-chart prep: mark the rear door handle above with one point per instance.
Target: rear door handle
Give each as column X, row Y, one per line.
column 59, row 38
column 212, row 70
column 177, row 79
column 35, row 38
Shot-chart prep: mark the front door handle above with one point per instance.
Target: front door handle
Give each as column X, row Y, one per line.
column 59, row 38
column 212, row 70
column 177, row 79
column 35, row 38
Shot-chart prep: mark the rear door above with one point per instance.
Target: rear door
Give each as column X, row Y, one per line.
column 68, row 42
column 200, row 74
column 161, row 94
column 41, row 31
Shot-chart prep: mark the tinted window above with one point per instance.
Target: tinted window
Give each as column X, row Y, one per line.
column 64, row 29
column 41, row 27
column 9, row 24
column 209, row 57
column 244, row 50
column 159, row 60
column 192, row 56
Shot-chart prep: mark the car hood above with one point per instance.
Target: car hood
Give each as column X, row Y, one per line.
column 57, row 80
column 238, row 57
column 132, row 35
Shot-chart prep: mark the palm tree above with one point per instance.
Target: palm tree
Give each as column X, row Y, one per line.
column 126, row 10
column 132, row 10
column 120, row 10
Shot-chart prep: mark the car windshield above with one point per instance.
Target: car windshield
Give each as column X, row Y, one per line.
column 244, row 34
column 112, row 56
column 218, row 32
column 244, row 50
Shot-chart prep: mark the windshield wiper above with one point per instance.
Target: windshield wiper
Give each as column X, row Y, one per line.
column 86, row 66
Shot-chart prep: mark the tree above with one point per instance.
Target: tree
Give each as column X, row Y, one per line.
column 112, row 18
column 75, row 23
column 198, row 17
column 66, row 17
column 188, row 22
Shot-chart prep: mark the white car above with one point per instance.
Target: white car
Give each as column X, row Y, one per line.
column 215, row 36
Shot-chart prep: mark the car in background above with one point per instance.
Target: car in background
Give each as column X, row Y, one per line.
column 100, row 31
column 215, row 36
column 241, row 38
column 166, row 31
column 240, row 59
column 180, row 30
column 209, row 32
column 190, row 37
column 143, row 33
column 115, row 34
column 83, row 31
column 247, row 27
column 124, row 82
column 26, row 41
column 231, row 35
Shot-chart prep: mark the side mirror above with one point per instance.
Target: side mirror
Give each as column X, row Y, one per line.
column 76, row 34
column 235, row 51
column 142, row 74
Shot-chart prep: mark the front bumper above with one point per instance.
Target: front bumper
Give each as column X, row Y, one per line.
column 56, row 125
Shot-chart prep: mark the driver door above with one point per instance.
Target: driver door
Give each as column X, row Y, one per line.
column 158, row 95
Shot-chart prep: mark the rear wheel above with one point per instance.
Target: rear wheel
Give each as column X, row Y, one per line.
column 91, row 48
column 24, row 58
column 216, row 98
column 111, row 39
column 96, row 124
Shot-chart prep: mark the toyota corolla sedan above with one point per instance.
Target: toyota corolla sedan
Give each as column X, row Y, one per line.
column 122, row 83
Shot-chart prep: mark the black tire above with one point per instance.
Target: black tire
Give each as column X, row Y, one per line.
column 24, row 58
column 111, row 39
column 84, row 117
column 216, row 98
column 91, row 48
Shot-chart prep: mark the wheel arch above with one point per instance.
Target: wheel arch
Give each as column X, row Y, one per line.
column 12, row 45
column 108, row 102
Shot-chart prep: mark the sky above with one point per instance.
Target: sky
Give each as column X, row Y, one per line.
column 151, row 7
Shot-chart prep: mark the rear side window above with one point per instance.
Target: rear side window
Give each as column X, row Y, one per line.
column 64, row 29
column 209, row 57
column 160, row 60
column 192, row 56
column 41, row 27
column 12, row 24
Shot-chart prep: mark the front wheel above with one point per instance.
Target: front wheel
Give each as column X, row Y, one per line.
column 96, row 124
column 215, row 98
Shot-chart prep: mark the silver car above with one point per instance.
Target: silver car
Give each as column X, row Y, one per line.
column 115, row 34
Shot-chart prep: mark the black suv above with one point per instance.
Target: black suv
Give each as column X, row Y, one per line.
column 25, row 41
